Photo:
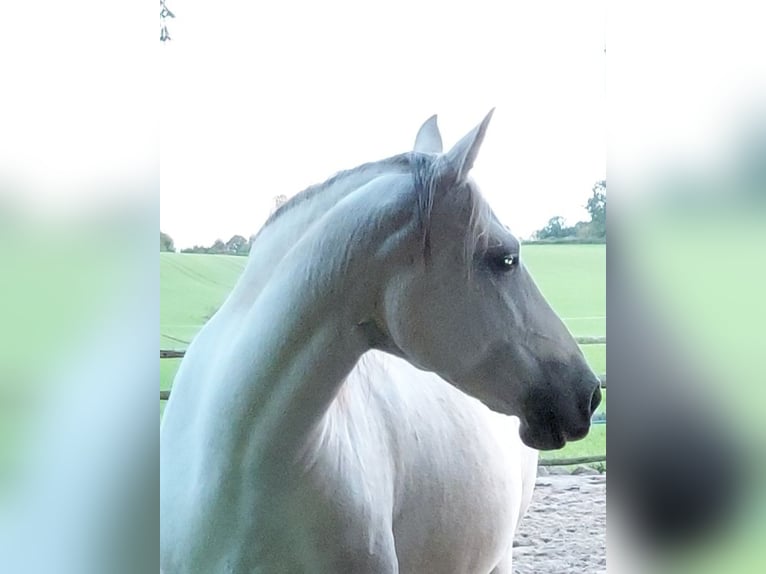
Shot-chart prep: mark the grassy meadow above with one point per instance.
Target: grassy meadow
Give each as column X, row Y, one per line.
column 572, row 277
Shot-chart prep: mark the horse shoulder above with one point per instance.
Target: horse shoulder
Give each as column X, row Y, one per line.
column 459, row 470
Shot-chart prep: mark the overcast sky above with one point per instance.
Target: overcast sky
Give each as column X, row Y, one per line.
column 266, row 99
column 258, row 100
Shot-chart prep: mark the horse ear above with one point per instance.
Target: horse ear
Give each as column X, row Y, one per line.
column 429, row 140
column 459, row 160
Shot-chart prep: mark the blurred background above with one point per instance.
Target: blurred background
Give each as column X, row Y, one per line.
column 686, row 124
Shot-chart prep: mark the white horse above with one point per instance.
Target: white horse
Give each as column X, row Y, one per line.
column 290, row 445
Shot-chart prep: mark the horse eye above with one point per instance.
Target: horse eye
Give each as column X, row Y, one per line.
column 510, row 261
column 505, row 262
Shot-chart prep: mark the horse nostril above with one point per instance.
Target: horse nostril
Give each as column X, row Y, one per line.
column 595, row 399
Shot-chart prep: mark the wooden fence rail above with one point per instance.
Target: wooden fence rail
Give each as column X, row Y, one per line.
column 166, row 354
column 172, row 354
column 591, row 340
column 165, row 395
column 572, row 461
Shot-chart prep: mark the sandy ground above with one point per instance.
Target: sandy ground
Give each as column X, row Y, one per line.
column 564, row 530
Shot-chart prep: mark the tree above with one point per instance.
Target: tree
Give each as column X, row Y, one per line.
column 166, row 243
column 596, row 206
column 593, row 231
column 164, row 14
column 196, row 249
column 237, row 245
column 582, row 230
column 554, row 229
column 279, row 201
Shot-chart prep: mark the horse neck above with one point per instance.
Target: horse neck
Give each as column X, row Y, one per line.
column 297, row 341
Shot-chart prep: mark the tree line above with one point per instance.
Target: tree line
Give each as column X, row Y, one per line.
column 590, row 231
column 555, row 230
column 237, row 245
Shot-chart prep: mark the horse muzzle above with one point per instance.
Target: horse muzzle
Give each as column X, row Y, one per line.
column 560, row 412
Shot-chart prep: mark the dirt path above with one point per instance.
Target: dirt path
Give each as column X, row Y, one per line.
column 564, row 530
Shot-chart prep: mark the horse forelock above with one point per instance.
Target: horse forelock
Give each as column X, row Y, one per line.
column 426, row 173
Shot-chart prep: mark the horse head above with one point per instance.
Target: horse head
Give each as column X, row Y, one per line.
column 464, row 306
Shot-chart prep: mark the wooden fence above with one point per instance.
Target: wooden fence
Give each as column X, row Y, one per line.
column 174, row 354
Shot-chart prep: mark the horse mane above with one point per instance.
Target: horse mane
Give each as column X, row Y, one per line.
column 397, row 161
column 425, row 170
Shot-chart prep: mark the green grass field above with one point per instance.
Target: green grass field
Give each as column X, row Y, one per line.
column 572, row 277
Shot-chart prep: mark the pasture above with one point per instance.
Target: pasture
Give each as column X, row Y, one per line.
column 572, row 277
